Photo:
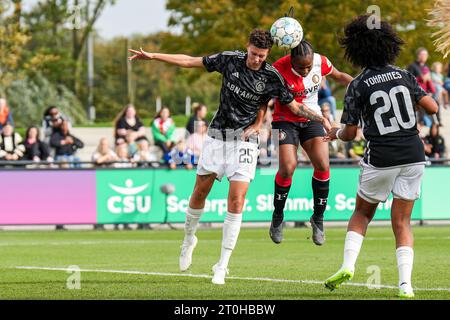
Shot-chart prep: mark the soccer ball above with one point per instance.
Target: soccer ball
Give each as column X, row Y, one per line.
column 286, row 33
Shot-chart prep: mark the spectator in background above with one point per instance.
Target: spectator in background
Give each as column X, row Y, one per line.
column 421, row 71
column 181, row 156
column 144, row 155
column 337, row 150
column 132, row 144
column 5, row 114
column 200, row 112
column 195, row 141
column 423, row 130
column 123, row 157
column 65, row 144
column 267, row 149
column 123, row 161
column 163, row 129
column 35, row 149
column 447, row 79
column 355, row 148
column 422, row 135
column 438, row 78
column 325, row 96
column 11, row 147
column 436, row 143
column 128, row 126
column 53, row 120
column 104, row 156
column 326, row 112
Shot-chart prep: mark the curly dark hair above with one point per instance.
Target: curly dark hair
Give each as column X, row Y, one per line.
column 261, row 39
column 365, row 47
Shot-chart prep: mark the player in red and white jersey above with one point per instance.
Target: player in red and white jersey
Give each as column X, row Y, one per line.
column 303, row 71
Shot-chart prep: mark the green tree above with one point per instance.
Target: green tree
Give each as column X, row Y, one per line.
column 212, row 26
column 59, row 30
column 12, row 41
column 30, row 97
column 149, row 80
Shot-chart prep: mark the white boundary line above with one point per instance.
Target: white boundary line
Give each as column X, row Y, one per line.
column 150, row 241
column 168, row 274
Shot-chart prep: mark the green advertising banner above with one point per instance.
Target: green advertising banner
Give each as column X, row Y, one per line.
column 435, row 194
column 127, row 196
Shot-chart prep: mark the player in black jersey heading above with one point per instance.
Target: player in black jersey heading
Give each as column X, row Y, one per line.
column 248, row 83
column 382, row 99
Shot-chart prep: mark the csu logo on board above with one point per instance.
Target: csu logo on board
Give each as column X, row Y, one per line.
column 129, row 199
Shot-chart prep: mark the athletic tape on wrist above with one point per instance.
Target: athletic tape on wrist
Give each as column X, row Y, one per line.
column 337, row 134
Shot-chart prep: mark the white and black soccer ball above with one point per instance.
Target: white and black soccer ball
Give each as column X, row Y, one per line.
column 286, row 32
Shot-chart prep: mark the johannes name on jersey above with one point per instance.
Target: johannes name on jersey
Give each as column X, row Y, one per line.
column 384, row 77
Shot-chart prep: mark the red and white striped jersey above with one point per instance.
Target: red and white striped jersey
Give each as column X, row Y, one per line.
column 305, row 90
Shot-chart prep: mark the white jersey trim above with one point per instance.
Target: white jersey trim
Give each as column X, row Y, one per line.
column 268, row 67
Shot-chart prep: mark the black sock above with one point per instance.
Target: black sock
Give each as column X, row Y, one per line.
column 320, row 191
column 279, row 200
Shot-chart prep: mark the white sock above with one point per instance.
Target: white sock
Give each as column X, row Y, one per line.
column 405, row 257
column 231, row 228
column 191, row 223
column 353, row 243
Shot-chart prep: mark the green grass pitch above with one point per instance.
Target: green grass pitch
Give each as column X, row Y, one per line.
column 294, row 269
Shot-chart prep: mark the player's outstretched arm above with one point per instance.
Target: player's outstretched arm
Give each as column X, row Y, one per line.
column 180, row 60
column 341, row 77
column 301, row 110
column 428, row 104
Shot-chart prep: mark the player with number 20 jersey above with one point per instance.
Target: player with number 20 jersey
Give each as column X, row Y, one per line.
column 382, row 99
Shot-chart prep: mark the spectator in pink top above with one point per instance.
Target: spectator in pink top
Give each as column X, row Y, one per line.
column 196, row 139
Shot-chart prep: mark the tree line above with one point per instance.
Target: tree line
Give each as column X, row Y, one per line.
column 43, row 50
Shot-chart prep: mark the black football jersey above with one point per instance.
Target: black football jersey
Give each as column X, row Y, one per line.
column 382, row 101
column 243, row 90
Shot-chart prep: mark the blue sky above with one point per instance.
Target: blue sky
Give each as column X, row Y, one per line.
column 129, row 16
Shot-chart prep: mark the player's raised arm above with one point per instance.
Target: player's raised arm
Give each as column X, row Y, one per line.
column 180, row 60
column 341, row 77
column 301, row 110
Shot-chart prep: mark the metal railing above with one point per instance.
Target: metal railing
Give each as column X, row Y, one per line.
column 263, row 163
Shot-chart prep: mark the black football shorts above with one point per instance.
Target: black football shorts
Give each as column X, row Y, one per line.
column 298, row 132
